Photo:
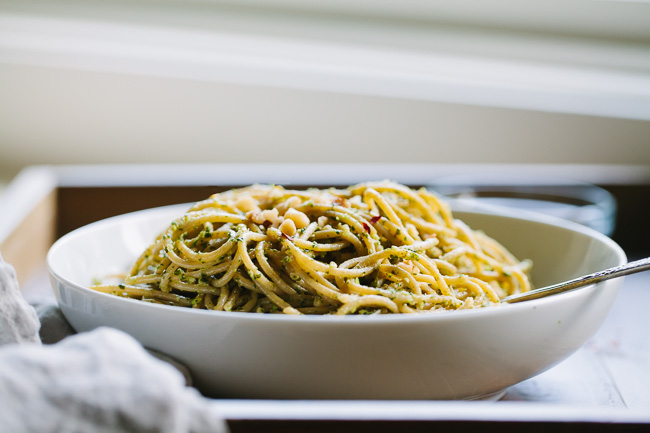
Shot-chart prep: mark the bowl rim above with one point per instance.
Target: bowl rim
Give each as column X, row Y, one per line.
column 375, row 319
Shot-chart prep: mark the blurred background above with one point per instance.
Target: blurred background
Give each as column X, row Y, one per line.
column 468, row 81
column 512, row 86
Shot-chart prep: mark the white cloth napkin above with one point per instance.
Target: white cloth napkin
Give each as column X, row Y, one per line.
column 99, row 381
column 18, row 321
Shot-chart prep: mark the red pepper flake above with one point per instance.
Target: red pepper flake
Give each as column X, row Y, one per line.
column 374, row 219
column 366, row 226
column 286, row 236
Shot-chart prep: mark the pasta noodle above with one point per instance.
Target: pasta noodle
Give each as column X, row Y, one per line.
column 376, row 247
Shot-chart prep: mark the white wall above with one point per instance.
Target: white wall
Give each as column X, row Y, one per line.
column 63, row 116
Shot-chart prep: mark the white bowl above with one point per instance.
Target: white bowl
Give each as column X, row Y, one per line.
column 446, row 355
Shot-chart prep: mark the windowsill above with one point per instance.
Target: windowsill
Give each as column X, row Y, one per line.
column 371, row 58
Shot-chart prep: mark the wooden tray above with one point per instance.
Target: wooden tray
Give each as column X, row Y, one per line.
column 604, row 385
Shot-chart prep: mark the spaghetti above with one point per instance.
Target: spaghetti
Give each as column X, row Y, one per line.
column 376, row 247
